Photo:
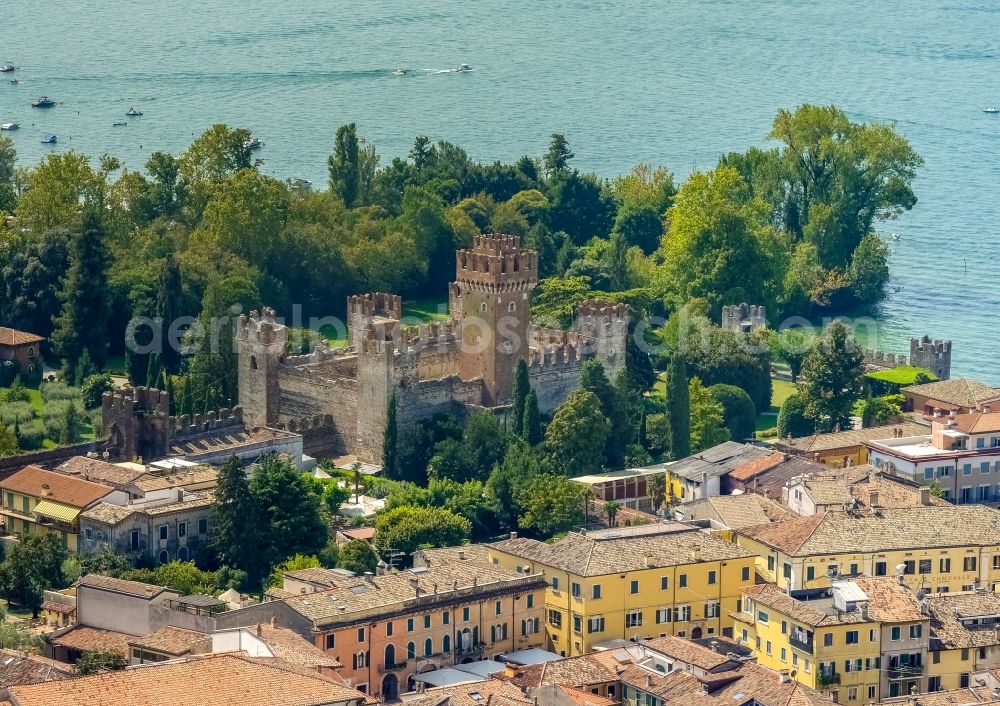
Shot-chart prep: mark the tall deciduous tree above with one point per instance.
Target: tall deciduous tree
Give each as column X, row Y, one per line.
column 408, row 528
column 739, row 415
column 8, row 160
column 84, row 320
column 32, row 565
column 358, row 556
column 792, row 420
column 679, row 408
column 30, row 280
column 558, row 156
column 351, row 166
column 620, row 430
column 707, row 421
column 237, row 527
column 577, row 435
column 832, row 379
column 550, row 504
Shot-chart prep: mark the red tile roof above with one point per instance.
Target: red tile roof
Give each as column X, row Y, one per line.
column 756, row 467
column 60, row 487
column 13, row 337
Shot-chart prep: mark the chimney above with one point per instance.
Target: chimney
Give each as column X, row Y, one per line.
column 649, row 561
column 461, row 555
column 704, row 485
column 873, row 499
column 274, row 621
column 783, row 676
column 695, row 555
column 649, row 680
column 513, row 535
column 260, row 630
column 986, row 409
column 925, row 496
column 45, row 490
column 415, row 585
column 715, row 645
column 369, row 577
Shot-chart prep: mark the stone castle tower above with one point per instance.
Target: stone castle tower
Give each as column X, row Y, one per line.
column 932, row 355
column 494, row 280
column 137, row 421
column 743, row 318
column 261, row 342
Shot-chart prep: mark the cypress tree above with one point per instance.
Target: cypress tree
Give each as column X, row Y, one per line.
column 84, row 319
column 170, row 392
column 531, row 425
column 168, row 309
column 389, row 456
column 187, row 397
column 152, row 370
column 521, row 389
column 679, row 408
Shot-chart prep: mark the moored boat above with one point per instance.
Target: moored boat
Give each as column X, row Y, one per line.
column 9, row 126
column 132, row 112
column 49, row 138
column 43, row 102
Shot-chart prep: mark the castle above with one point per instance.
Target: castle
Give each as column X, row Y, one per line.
column 339, row 399
column 924, row 353
column 743, row 318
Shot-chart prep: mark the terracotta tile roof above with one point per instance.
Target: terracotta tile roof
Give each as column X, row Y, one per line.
column 960, row 392
column 716, row 460
column 947, row 610
column 130, row 588
column 978, row 422
column 442, row 555
column 748, row 470
column 13, row 337
column 22, row 668
column 619, row 550
column 99, row 470
column 365, row 533
column 737, row 511
column 221, row 440
column 888, row 601
column 61, row 488
column 489, row 692
column 109, row 514
column 686, row 651
column 749, row 682
column 582, row 671
column 806, row 612
column 202, row 475
column 205, row 499
column 837, row 532
column 292, row 648
column 54, row 607
column 585, row 698
column 356, row 598
column 954, row 697
column 851, row 437
column 84, row 638
column 172, row 641
column 216, row 680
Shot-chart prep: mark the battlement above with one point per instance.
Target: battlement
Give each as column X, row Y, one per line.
column 135, row 399
column 933, row 355
column 303, row 424
column 321, row 353
column 610, row 311
column 371, row 304
column 881, row 360
column 540, row 337
column 262, row 331
column 497, row 263
column 554, row 357
column 193, row 424
column 743, row 317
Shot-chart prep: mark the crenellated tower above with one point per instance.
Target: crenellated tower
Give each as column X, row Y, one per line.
column 374, row 309
column 603, row 331
column 932, row 355
column 492, row 286
column 261, row 345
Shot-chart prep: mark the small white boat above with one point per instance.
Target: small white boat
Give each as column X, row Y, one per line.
column 991, row 109
column 49, row 138
column 253, row 143
column 463, row 68
column 7, row 68
column 399, row 72
column 9, row 126
column 119, row 123
column 896, row 236
column 133, row 113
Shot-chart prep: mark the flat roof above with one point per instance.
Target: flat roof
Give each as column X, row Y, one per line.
column 532, row 655
column 447, row 676
column 622, row 474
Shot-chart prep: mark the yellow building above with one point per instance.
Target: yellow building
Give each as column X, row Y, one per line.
column 623, row 583
column 841, row 449
column 36, row 500
column 936, row 548
column 965, row 637
column 868, row 640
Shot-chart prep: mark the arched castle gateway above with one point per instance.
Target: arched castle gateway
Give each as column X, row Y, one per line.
column 338, row 398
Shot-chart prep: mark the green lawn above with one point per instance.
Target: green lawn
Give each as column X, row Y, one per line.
column 781, row 389
column 115, row 365
column 427, row 309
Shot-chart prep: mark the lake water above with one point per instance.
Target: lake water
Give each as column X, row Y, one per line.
column 672, row 83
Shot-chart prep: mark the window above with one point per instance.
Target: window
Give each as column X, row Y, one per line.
column 682, row 614
column 712, row 576
column 427, row 621
column 446, row 616
column 633, row 619
column 769, row 647
column 428, row 647
column 925, row 566
column 873, row 635
column 852, row 637
column 530, row 602
column 530, row 626
column 331, row 641
column 360, row 660
column 965, row 654
column 770, row 563
column 934, row 684
column 852, row 693
column 967, row 469
column 963, row 680
column 745, row 573
column 575, row 589
column 784, row 628
column 828, row 639
column 664, row 583
column 182, row 529
column 446, row 644
column 409, row 625
column 880, row 568
column 555, row 618
column 633, row 587
column 577, row 623
column 872, row 692
column 894, row 634
column 936, row 657
column 984, row 467
column 596, row 590
column 810, row 573
column 203, row 525
column 784, row 655
column 388, row 629
column 465, row 613
column 25, row 505
column 982, row 653
column 595, row 624
column 135, row 539
column 411, row 650
column 969, row 563
column 10, row 500
column 712, row 609
column 682, row 581
column 87, row 532
column 164, row 557
column 854, row 569
column 497, row 607
column 786, row 570
column 928, row 474
column 944, row 565
column 361, row 634
column 163, row 531
column 909, row 567
column 662, row 615
column 762, row 617
column 915, row 631
column 555, row 584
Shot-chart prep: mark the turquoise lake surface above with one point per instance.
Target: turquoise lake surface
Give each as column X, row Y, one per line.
column 671, row 83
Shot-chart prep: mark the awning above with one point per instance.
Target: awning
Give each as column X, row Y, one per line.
column 57, row 511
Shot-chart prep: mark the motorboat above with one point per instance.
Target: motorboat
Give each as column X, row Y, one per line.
column 9, row 126
column 119, row 123
column 253, row 143
column 133, row 113
column 896, row 236
column 7, row 68
column 49, row 138
column 991, row 109
column 43, row 102
column 14, row 82
column 399, row 72
column 463, row 68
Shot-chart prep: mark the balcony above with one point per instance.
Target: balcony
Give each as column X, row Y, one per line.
column 476, row 649
column 801, row 645
column 386, row 668
column 827, row 679
column 906, row 671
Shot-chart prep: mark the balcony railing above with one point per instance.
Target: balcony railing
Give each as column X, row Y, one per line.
column 476, row 649
column 906, row 671
column 802, row 645
column 825, row 679
column 385, row 668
